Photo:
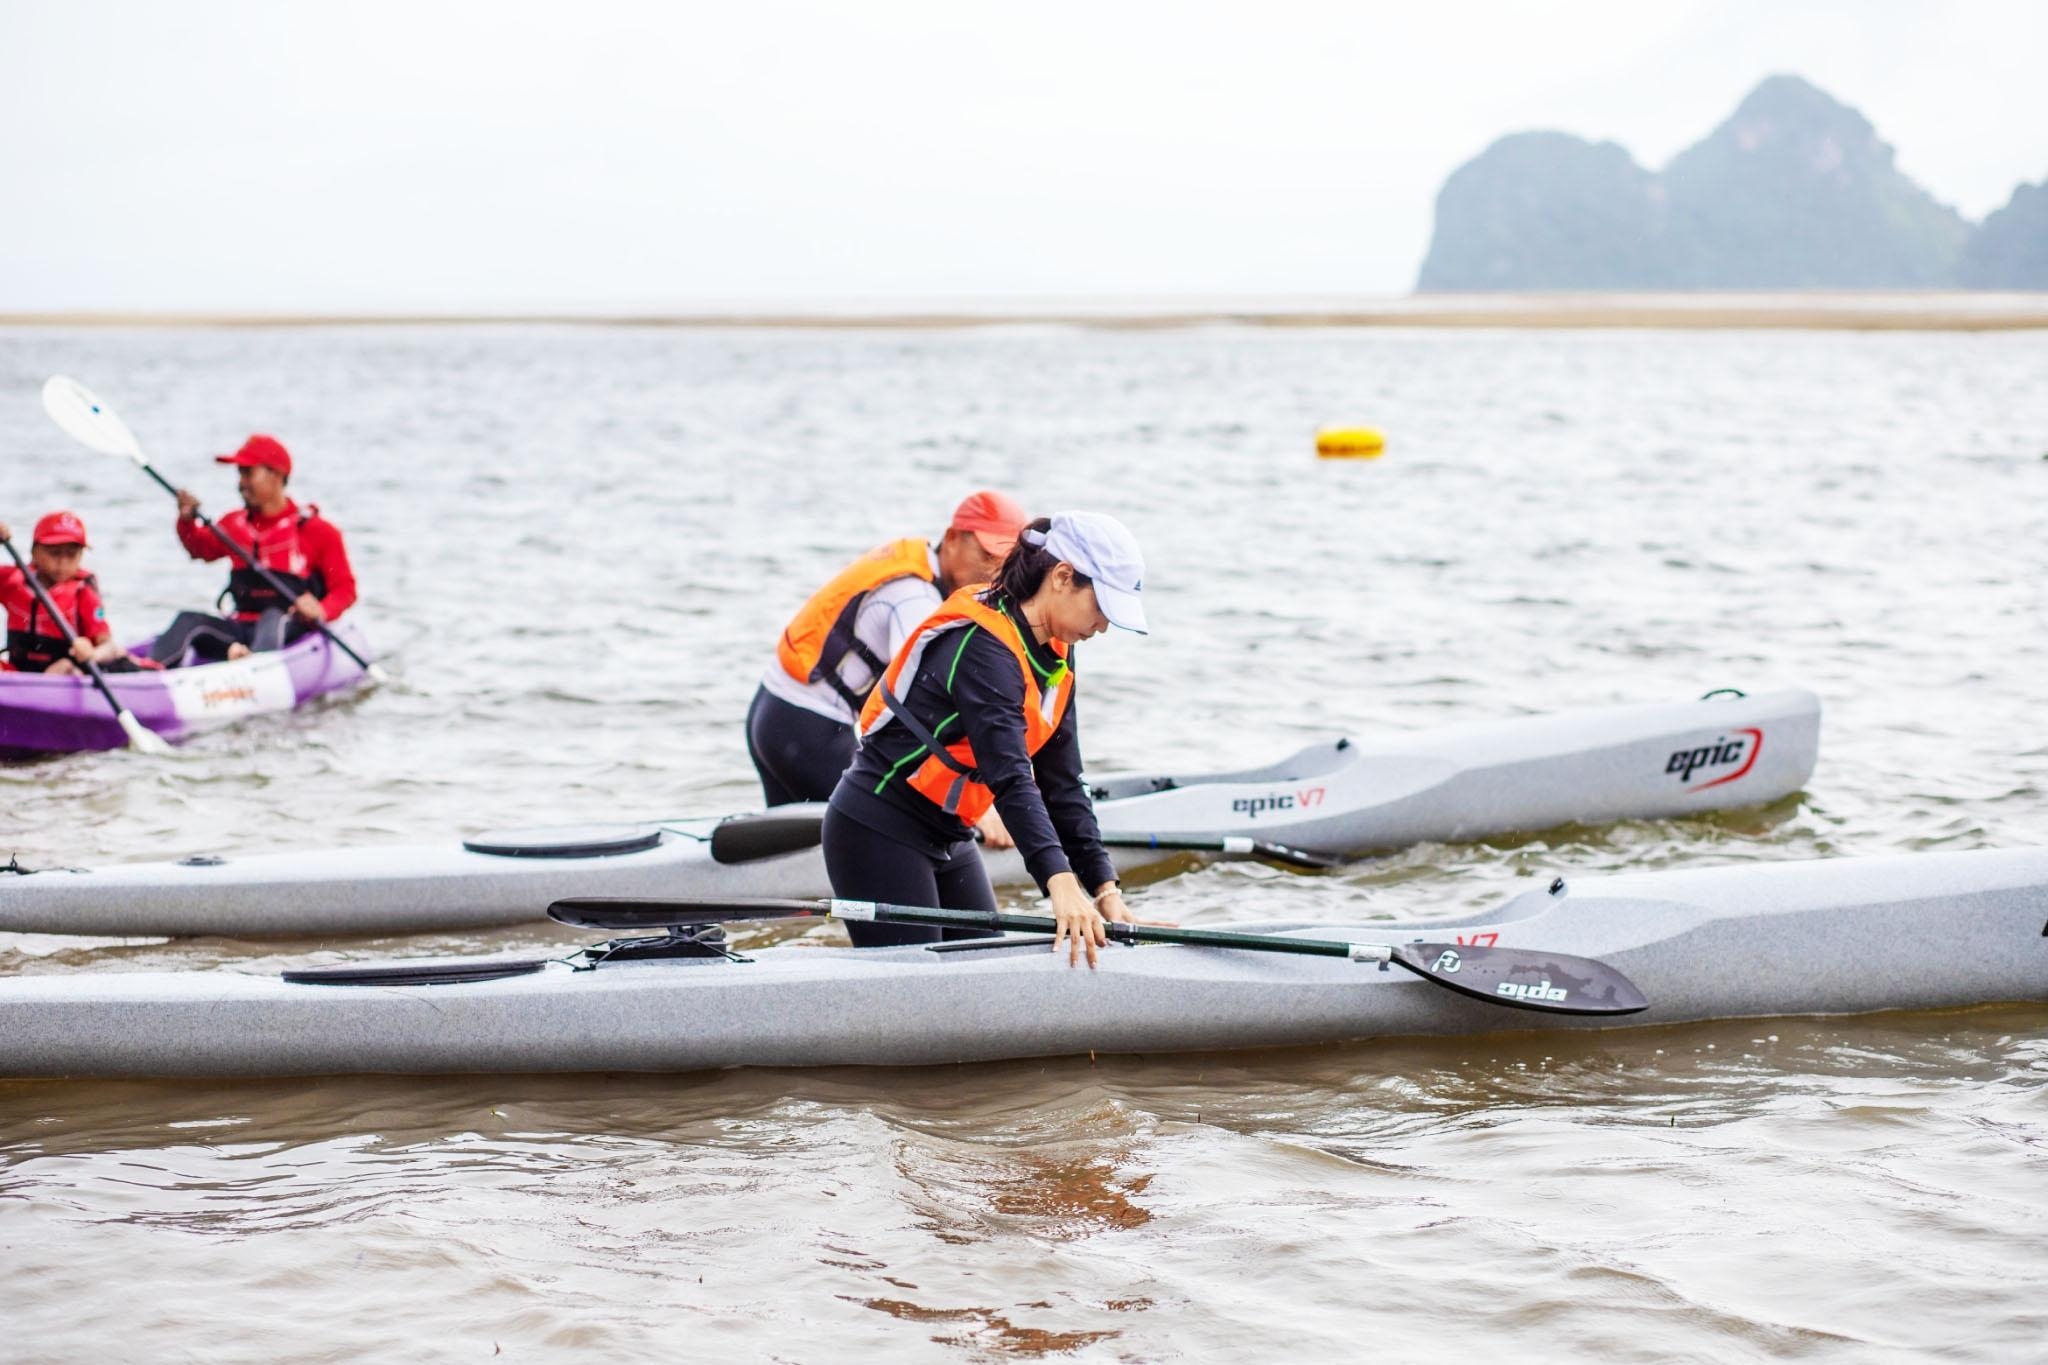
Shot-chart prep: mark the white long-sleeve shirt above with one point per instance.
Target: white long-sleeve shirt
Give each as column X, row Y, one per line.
column 883, row 623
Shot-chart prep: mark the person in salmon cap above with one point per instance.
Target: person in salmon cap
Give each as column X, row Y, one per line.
column 976, row 713
column 800, row 728
column 300, row 547
column 35, row 643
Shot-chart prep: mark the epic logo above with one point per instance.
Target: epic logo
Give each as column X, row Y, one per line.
column 1719, row 754
column 1251, row 806
column 1541, row 991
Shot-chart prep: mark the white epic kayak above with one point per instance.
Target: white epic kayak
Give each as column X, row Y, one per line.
column 1465, row 782
column 1826, row 937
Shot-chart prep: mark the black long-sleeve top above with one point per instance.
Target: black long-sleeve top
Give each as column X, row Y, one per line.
column 968, row 682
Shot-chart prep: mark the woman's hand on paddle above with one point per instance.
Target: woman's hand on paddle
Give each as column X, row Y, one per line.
column 1079, row 922
column 188, row 506
column 307, row 608
column 1110, row 901
column 5, row 534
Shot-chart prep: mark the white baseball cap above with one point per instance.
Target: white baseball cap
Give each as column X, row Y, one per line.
column 1104, row 549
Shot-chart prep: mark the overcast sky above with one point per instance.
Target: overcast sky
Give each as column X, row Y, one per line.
column 510, row 155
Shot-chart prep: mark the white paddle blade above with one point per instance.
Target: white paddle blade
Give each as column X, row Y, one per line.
column 378, row 675
column 141, row 738
column 88, row 421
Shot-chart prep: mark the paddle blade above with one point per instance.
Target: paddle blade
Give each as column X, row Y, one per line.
column 786, row 829
column 88, row 421
column 1298, row 858
column 141, row 738
column 652, row 916
column 1524, row 979
column 377, row 675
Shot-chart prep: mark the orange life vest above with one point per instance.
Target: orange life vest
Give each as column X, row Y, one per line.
column 820, row 636
column 948, row 776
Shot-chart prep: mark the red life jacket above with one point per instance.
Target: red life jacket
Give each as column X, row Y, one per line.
column 34, row 641
column 820, row 636
column 948, row 776
column 279, row 548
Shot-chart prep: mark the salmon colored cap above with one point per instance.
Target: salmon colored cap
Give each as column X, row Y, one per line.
column 994, row 519
column 267, row 451
column 60, row 528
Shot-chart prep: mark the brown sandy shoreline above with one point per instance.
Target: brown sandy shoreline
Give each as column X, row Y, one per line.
column 1904, row 311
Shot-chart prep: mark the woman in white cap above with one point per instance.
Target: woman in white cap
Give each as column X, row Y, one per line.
column 976, row 710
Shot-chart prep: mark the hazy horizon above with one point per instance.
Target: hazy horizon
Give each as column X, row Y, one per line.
column 232, row 156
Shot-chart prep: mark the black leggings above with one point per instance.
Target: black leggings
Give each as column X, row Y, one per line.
column 209, row 636
column 798, row 753
column 867, row 866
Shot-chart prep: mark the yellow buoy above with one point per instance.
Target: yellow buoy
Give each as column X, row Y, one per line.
column 1350, row 443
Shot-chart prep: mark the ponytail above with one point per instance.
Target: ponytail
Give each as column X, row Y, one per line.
column 1024, row 569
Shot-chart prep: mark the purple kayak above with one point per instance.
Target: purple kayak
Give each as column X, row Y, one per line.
column 42, row 714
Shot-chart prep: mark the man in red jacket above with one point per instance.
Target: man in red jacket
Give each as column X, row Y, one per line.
column 299, row 547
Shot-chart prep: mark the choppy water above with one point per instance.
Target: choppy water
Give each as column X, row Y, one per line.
column 576, row 544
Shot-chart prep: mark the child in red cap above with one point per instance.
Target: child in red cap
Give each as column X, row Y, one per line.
column 35, row 643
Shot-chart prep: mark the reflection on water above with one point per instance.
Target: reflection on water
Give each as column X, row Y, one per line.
column 575, row 543
column 1749, row 1186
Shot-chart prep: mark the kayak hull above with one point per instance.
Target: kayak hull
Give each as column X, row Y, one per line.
column 67, row 714
column 1825, row 937
column 1461, row 783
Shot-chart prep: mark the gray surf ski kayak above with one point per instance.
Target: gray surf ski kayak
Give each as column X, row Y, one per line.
column 1824, row 937
column 1458, row 783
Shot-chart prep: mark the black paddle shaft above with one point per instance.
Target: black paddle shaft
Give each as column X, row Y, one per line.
column 646, row 916
column 249, row 560
column 1517, row 978
column 35, row 586
column 1116, row 930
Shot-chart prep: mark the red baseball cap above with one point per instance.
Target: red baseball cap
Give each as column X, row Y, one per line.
column 266, row 451
column 60, row 528
column 994, row 519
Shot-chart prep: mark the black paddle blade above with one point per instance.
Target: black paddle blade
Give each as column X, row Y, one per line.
column 644, row 916
column 789, row 829
column 1524, row 979
column 1294, row 857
